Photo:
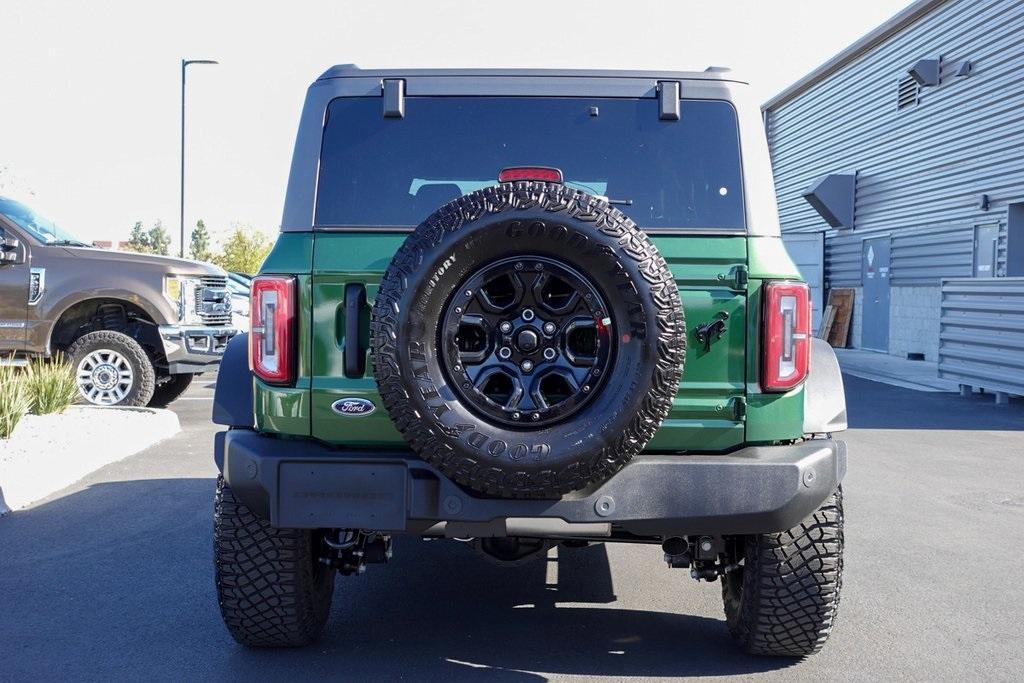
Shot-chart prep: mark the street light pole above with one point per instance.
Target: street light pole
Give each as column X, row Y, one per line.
column 181, row 214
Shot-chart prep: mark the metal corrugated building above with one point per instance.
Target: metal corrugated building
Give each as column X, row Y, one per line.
column 924, row 117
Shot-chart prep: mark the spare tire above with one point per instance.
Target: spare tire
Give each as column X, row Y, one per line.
column 528, row 340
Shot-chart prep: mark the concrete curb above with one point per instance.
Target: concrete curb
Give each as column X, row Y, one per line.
column 47, row 453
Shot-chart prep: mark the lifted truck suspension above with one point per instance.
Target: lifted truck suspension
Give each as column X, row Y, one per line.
column 705, row 556
column 350, row 550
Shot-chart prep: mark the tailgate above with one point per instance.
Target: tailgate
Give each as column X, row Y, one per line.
column 707, row 413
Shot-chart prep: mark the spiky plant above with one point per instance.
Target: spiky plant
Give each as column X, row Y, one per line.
column 51, row 385
column 14, row 400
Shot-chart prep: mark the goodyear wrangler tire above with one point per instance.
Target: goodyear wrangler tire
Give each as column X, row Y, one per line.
column 528, row 340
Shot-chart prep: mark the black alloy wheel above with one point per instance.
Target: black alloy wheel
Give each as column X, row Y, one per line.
column 527, row 341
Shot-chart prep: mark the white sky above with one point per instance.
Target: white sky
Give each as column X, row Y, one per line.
column 89, row 92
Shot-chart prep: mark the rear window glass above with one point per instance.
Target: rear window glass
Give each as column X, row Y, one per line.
column 387, row 172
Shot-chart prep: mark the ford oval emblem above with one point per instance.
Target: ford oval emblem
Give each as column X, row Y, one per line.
column 353, row 407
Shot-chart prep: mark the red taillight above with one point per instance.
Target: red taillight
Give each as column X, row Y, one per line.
column 272, row 328
column 786, row 341
column 548, row 175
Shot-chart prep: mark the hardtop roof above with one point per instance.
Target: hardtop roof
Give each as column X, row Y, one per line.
column 712, row 73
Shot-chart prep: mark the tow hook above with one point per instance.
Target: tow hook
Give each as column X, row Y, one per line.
column 349, row 551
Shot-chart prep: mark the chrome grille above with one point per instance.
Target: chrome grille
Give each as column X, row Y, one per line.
column 213, row 302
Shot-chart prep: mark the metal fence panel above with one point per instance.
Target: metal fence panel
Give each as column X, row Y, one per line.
column 981, row 333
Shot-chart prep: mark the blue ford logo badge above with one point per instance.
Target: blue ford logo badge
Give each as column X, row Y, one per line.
column 353, row 407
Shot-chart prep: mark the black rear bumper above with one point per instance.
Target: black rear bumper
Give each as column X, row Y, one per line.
column 305, row 484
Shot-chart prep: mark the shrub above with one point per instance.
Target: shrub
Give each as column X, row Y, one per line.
column 51, row 385
column 14, row 400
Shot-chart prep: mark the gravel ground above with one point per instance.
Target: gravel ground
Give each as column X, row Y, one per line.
column 47, row 452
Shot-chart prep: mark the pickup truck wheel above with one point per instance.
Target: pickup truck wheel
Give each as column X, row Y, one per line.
column 272, row 589
column 783, row 599
column 171, row 388
column 112, row 369
column 528, row 340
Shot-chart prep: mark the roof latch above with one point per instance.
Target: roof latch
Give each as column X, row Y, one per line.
column 668, row 100
column 394, row 98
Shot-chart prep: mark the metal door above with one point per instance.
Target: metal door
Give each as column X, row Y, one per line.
column 986, row 243
column 875, row 272
column 808, row 253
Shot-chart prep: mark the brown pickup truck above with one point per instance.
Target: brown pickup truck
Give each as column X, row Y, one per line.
column 137, row 328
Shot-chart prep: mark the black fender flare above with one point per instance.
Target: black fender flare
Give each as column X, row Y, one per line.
column 232, row 399
column 824, row 395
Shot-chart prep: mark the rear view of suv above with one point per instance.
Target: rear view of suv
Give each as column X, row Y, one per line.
column 530, row 308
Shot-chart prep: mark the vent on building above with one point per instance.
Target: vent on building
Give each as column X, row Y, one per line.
column 907, row 91
column 834, row 197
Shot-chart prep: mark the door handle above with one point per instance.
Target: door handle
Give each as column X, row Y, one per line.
column 355, row 354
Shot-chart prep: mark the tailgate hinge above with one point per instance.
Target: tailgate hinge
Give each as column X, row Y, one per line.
column 739, row 277
column 739, row 408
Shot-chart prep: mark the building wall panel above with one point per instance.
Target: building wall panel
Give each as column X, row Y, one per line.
column 921, row 171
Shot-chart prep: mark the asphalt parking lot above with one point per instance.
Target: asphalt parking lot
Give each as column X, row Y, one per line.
column 112, row 578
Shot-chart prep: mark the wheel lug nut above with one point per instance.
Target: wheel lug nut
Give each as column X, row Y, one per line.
column 458, row 368
column 506, row 327
column 504, row 353
column 527, row 365
column 597, row 371
column 515, row 416
column 469, row 292
column 549, row 354
column 458, row 309
column 535, row 416
column 528, row 315
column 538, row 266
column 586, row 388
column 519, row 266
column 549, row 328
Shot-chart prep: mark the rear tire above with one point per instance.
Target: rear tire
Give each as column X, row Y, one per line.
column 173, row 387
column 783, row 600
column 271, row 587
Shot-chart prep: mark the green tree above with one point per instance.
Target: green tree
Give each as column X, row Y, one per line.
column 244, row 251
column 199, row 249
column 159, row 240
column 139, row 240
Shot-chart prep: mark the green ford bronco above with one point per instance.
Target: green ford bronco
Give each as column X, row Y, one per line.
column 529, row 308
